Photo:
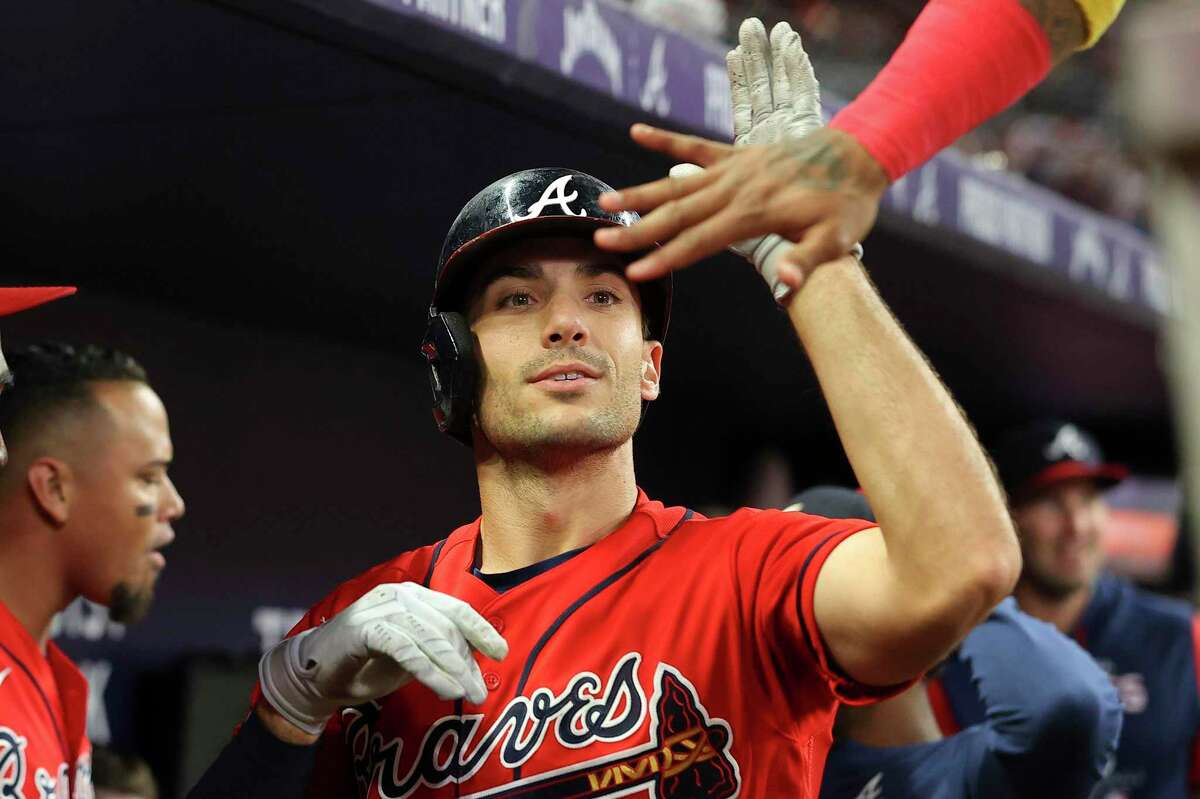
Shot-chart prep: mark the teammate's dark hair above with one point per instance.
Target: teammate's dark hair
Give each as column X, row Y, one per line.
column 51, row 378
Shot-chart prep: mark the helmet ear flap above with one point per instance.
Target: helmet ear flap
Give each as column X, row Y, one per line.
column 449, row 349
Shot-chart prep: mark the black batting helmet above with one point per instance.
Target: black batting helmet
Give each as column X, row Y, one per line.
column 542, row 201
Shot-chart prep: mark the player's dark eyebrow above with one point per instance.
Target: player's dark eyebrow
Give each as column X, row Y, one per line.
column 597, row 268
column 518, row 270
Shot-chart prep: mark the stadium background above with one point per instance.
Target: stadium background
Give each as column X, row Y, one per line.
column 252, row 195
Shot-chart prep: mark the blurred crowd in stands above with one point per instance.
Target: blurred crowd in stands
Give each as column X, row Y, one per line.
column 1064, row 135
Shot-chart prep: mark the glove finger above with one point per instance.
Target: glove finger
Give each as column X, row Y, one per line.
column 805, row 91
column 476, row 691
column 442, row 684
column 781, row 89
column 439, row 638
column 739, row 91
column 384, row 639
column 752, row 39
column 452, row 656
column 476, row 629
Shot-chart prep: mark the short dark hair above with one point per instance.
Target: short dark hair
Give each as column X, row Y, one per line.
column 122, row 773
column 52, row 377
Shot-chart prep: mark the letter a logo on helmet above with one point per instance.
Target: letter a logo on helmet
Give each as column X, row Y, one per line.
column 554, row 195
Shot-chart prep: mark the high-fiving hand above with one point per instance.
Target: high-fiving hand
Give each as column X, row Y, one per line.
column 775, row 97
column 395, row 633
column 775, row 94
column 821, row 190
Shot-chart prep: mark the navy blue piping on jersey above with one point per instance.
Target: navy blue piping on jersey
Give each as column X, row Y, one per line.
column 437, row 551
column 812, row 647
column 583, row 600
column 62, row 739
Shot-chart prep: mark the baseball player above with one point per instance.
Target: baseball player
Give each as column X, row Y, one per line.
column 1056, row 474
column 579, row 638
column 1052, row 715
column 962, row 62
column 85, row 505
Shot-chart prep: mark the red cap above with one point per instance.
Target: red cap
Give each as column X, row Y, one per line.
column 1104, row 474
column 18, row 299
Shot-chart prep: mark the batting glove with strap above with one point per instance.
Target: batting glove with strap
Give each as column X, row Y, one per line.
column 395, row 633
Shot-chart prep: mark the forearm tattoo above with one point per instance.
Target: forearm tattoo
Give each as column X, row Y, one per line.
column 816, row 161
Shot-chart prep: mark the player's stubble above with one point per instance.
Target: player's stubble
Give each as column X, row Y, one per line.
column 547, row 437
column 129, row 603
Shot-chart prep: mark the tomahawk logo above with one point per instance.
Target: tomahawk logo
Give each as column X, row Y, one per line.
column 12, row 764
column 555, row 194
column 687, row 755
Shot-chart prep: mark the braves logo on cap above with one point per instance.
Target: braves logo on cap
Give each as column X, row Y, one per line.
column 554, row 194
column 1068, row 443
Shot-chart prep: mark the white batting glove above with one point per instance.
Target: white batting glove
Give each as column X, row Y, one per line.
column 395, row 633
column 776, row 97
column 775, row 92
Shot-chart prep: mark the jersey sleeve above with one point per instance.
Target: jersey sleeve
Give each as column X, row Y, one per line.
column 777, row 561
column 332, row 772
column 1052, row 735
column 940, row 768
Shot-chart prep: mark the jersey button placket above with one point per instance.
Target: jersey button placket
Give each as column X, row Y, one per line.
column 492, row 680
column 497, row 623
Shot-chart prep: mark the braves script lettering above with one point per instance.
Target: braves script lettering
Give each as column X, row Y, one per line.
column 588, row 710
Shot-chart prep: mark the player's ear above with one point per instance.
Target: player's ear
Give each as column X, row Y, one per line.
column 652, row 352
column 51, row 487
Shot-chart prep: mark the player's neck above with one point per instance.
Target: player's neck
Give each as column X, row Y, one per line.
column 1063, row 612
column 900, row 721
column 531, row 514
column 31, row 582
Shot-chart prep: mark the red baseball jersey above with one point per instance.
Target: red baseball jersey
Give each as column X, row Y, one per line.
column 678, row 657
column 44, row 750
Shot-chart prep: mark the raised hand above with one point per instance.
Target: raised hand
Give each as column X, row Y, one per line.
column 774, row 90
column 788, row 175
